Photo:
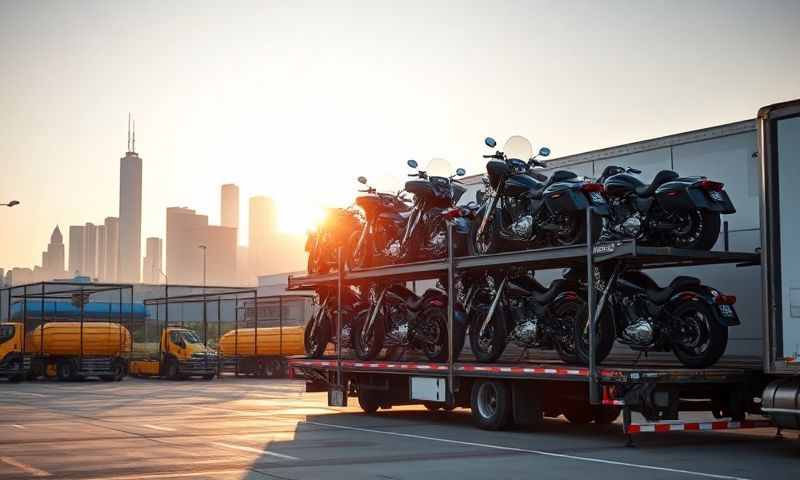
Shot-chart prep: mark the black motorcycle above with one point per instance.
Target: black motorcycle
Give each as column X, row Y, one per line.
column 398, row 318
column 321, row 328
column 523, row 209
column 670, row 211
column 685, row 317
column 377, row 242
column 322, row 244
column 518, row 309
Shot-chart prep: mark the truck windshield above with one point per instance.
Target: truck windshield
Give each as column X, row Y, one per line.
column 185, row 335
column 6, row 332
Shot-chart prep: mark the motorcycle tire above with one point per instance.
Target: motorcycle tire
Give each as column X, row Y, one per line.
column 709, row 224
column 489, row 348
column 367, row 348
column 437, row 317
column 491, row 242
column 605, row 335
column 577, row 235
column 362, row 258
column 697, row 320
column 315, row 347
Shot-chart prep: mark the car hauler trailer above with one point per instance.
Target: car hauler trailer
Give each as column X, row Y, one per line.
column 523, row 392
column 59, row 331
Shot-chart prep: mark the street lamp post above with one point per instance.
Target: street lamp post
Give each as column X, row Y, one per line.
column 204, row 248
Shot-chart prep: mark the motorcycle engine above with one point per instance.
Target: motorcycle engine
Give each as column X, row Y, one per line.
column 526, row 326
column 523, row 226
column 393, row 249
column 629, row 221
column 398, row 333
column 640, row 330
column 346, row 335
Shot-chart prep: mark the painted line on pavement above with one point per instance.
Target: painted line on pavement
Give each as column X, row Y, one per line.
column 254, row 450
column 36, row 472
column 28, row 393
column 535, row 452
column 156, row 427
column 210, row 474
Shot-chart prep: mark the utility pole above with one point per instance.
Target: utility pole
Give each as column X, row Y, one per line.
column 205, row 254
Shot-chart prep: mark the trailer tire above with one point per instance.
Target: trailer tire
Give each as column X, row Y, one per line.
column 171, row 369
column 606, row 415
column 65, row 370
column 369, row 400
column 491, row 404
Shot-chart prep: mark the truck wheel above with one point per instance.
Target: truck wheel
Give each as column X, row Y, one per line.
column 606, row 415
column 65, row 370
column 119, row 371
column 369, row 400
column 578, row 412
column 171, row 370
column 491, row 404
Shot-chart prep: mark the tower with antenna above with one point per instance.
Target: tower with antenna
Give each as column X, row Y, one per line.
column 130, row 211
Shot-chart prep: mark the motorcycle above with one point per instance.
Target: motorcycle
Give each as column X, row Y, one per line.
column 523, row 209
column 670, row 211
column 321, row 328
column 333, row 232
column 686, row 317
column 395, row 233
column 520, row 310
column 398, row 318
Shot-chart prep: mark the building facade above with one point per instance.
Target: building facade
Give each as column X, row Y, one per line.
column 111, row 227
column 152, row 265
column 75, row 249
column 229, row 206
column 186, row 231
column 130, row 214
column 263, row 226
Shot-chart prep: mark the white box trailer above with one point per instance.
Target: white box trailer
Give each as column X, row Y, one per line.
column 759, row 162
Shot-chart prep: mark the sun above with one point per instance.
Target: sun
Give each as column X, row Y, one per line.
column 296, row 219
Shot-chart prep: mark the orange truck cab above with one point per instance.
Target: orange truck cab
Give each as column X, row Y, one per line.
column 182, row 354
column 14, row 365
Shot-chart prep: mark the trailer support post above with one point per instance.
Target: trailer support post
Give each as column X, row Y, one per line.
column 339, row 282
column 594, row 386
column 450, row 316
column 236, row 334
column 219, row 337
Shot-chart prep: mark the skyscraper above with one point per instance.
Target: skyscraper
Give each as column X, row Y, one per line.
column 89, row 250
column 152, row 263
column 130, row 212
column 75, row 249
column 53, row 257
column 221, row 246
column 101, row 252
column 111, row 225
column 262, row 229
column 229, row 207
column 185, row 232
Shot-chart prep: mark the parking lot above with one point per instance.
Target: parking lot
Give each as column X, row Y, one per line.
column 260, row 429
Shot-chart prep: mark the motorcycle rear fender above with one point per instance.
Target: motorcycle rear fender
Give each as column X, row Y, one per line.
column 703, row 294
column 680, row 195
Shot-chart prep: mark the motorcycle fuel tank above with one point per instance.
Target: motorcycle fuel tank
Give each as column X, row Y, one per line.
column 497, row 170
column 519, row 184
column 421, row 188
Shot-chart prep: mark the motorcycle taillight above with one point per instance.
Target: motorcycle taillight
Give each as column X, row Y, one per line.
column 452, row 213
column 725, row 299
column 592, row 187
column 710, row 185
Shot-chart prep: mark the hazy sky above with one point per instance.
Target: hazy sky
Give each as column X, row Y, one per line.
column 295, row 99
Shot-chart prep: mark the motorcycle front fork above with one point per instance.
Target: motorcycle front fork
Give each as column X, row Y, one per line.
column 373, row 314
column 493, row 306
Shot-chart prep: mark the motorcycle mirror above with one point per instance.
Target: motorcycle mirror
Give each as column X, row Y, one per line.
column 412, row 163
column 544, row 152
column 490, row 142
column 461, row 172
column 362, row 180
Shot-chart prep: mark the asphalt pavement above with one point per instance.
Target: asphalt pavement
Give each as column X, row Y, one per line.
column 238, row 428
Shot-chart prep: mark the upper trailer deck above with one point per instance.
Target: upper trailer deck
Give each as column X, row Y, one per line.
column 627, row 252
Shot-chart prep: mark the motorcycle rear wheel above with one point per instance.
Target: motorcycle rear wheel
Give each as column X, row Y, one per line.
column 367, row 346
column 700, row 232
column 435, row 320
column 701, row 339
column 576, row 230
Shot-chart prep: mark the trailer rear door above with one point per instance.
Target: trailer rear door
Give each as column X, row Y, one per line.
column 779, row 149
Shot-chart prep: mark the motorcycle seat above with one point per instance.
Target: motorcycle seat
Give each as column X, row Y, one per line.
column 547, row 295
column 661, row 178
column 661, row 295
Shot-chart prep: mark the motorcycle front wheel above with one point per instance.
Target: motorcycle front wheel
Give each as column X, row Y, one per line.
column 433, row 333
column 698, row 339
column 317, row 335
column 358, row 257
column 489, row 345
column 367, row 341
column 486, row 242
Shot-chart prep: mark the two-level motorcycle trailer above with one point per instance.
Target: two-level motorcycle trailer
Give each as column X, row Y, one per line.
column 524, row 392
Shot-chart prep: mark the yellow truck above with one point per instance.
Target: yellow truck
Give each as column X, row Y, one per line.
column 181, row 355
column 74, row 350
column 261, row 352
column 14, row 365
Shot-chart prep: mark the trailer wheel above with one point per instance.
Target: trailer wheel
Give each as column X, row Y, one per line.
column 491, row 404
column 65, row 370
column 171, row 370
column 369, row 400
column 606, row 415
column 578, row 412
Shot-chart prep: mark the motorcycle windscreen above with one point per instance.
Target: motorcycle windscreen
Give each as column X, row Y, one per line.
column 788, row 158
column 518, row 147
column 439, row 167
